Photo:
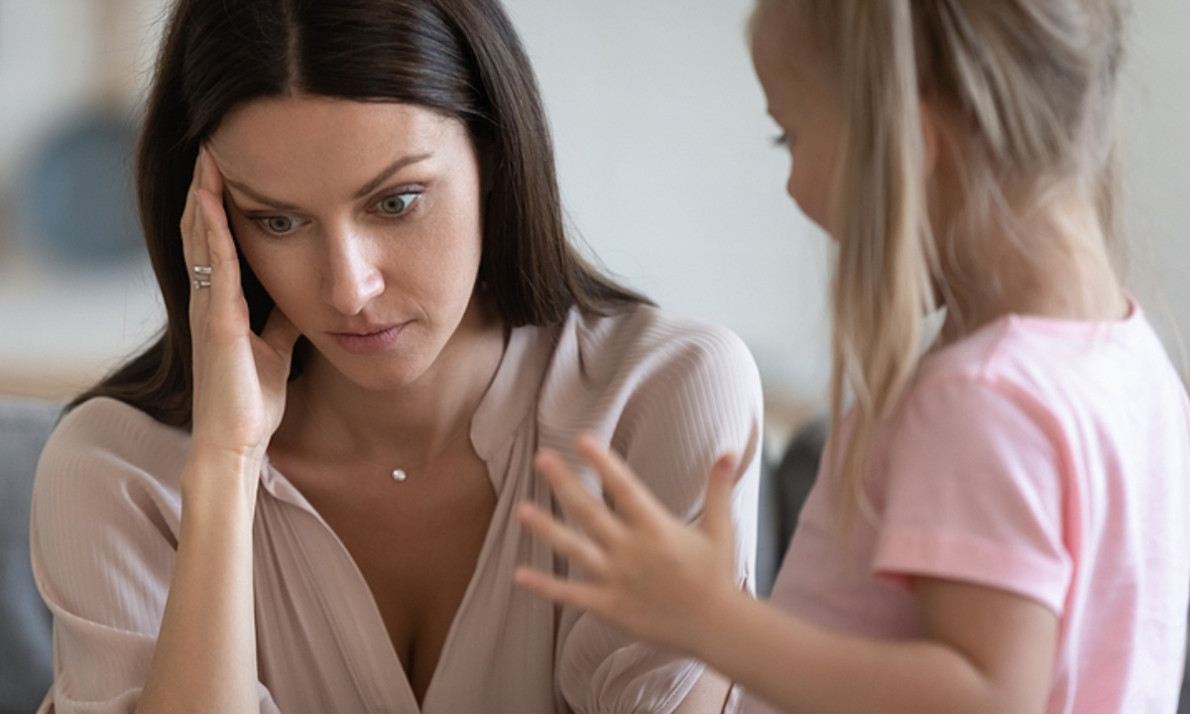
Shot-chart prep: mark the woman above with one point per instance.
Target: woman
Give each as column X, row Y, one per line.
column 301, row 497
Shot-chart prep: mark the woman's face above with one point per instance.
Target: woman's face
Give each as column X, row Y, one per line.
column 809, row 114
column 362, row 221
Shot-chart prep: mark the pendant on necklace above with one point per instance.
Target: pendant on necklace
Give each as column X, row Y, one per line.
column 399, row 474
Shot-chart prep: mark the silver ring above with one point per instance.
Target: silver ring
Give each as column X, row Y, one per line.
column 202, row 270
column 198, row 284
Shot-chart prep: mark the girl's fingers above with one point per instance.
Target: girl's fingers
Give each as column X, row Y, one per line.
column 632, row 500
column 568, row 592
column 716, row 511
column 562, row 539
column 590, row 513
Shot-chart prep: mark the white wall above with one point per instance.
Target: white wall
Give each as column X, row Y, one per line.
column 666, row 165
column 1155, row 109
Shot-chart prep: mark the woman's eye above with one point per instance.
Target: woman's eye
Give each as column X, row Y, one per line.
column 396, row 204
column 279, row 225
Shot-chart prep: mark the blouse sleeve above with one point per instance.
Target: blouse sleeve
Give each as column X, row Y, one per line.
column 103, row 533
column 977, row 488
column 689, row 396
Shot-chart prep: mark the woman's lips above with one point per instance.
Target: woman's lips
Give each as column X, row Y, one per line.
column 368, row 342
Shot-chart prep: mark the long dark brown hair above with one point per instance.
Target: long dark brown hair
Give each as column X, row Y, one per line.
column 460, row 58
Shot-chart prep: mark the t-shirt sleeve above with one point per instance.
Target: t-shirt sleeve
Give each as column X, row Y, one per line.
column 103, row 545
column 976, row 491
column 705, row 401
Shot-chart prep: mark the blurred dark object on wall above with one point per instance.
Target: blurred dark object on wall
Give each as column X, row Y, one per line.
column 76, row 196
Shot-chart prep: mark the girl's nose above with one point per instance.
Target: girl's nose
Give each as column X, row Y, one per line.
column 352, row 278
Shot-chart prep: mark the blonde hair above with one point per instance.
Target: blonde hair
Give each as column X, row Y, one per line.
column 1030, row 85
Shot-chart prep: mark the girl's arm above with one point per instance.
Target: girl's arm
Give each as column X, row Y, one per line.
column 982, row 650
column 205, row 655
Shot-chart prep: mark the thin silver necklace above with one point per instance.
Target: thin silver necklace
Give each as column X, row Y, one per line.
column 399, row 474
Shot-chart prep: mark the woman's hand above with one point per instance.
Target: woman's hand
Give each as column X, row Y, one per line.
column 239, row 378
column 645, row 570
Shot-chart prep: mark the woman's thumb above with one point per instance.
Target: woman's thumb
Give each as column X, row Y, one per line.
column 280, row 334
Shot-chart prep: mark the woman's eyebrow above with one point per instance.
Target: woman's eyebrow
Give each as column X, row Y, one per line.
column 389, row 171
column 371, row 186
column 259, row 197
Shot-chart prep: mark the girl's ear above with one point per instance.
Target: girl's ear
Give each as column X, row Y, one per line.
column 929, row 139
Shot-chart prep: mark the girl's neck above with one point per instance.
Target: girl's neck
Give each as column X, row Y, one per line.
column 328, row 416
column 1064, row 271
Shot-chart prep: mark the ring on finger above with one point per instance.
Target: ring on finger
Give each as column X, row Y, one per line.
column 204, row 276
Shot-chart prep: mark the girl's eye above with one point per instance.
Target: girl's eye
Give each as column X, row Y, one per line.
column 782, row 140
column 396, row 204
column 279, row 225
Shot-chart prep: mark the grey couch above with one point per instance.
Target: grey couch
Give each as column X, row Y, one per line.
column 25, row 650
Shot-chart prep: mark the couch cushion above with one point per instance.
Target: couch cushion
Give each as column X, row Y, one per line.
column 25, row 648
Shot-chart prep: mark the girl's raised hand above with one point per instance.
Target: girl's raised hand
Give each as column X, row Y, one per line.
column 239, row 378
column 643, row 569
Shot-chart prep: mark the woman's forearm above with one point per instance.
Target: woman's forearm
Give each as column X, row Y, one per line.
column 205, row 658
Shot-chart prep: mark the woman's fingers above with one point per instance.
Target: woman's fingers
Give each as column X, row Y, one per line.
column 193, row 253
column 589, row 512
column 223, row 261
column 563, row 539
column 196, row 252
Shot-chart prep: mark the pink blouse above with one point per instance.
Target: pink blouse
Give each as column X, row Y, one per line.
column 669, row 394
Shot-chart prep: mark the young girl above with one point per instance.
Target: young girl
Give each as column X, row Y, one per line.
column 1000, row 523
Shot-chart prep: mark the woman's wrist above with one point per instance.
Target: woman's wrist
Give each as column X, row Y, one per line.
column 221, row 474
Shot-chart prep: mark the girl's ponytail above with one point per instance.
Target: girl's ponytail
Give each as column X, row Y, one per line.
column 882, row 287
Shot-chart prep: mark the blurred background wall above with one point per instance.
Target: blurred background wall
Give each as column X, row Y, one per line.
column 665, row 157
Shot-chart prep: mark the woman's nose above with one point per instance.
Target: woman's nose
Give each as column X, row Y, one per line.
column 352, row 278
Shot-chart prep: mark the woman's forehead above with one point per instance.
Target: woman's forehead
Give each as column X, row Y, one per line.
column 305, row 142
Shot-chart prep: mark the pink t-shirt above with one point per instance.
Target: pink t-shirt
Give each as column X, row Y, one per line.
column 1046, row 458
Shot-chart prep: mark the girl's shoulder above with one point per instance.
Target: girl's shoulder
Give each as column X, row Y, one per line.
column 1061, row 375
column 1031, row 352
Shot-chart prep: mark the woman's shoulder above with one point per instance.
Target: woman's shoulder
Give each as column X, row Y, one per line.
column 646, row 339
column 106, row 425
column 104, row 448
column 605, row 367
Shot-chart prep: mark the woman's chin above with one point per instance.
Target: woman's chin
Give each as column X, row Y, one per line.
column 379, row 372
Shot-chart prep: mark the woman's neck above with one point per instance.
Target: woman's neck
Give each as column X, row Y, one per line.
column 329, row 416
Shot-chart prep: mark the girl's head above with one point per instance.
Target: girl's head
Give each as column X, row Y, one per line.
column 458, row 59
column 933, row 139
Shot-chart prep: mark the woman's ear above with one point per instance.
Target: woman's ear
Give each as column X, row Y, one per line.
column 486, row 152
